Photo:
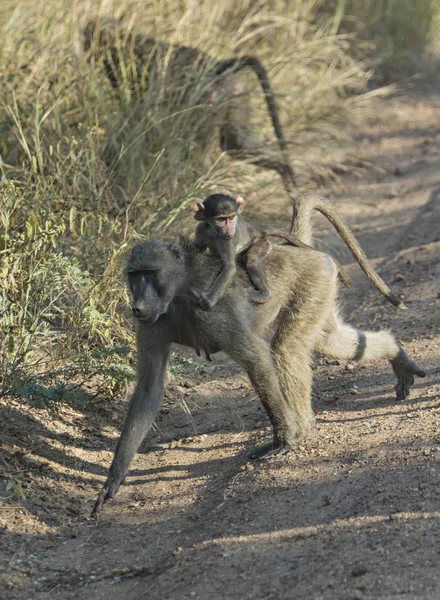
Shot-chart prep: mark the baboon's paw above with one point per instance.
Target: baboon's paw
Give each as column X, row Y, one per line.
column 403, row 387
column 107, row 493
column 405, row 381
column 268, row 451
column 103, row 496
column 405, row 369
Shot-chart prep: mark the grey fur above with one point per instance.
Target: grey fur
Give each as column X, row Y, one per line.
column 273, row 342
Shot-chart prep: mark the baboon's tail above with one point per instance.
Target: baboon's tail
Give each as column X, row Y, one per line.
column 295, row 241
column 252, row 62
column 301, row 224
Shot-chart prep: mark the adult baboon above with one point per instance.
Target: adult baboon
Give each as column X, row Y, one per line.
column 196, row 76
column 302, row 316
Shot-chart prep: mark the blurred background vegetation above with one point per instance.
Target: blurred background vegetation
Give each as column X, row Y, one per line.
column 87, row 170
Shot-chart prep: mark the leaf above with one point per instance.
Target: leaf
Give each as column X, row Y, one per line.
column 4, row 241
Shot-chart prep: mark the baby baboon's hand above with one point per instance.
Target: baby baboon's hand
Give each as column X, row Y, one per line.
column 259, row 297
column 205, row 302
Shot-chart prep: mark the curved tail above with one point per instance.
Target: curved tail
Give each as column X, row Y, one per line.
column 252, row 62
column 295, row 241
column 301, row 226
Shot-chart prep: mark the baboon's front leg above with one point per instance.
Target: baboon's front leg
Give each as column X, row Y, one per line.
column 153, row 352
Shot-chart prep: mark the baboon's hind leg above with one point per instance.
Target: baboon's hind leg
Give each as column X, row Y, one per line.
column 255, row 356
column 339, row 340
column 292, row 347
column 238, row 140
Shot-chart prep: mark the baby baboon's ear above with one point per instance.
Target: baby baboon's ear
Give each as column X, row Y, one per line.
column 239, row 201
column 199, row 211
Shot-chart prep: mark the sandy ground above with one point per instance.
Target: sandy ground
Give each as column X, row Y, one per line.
column 353, row 513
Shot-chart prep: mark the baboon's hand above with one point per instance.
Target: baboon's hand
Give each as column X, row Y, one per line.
column 103, row 495
column 205, row 302
column 108, row 491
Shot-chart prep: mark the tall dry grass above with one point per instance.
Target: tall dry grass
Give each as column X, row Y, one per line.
column 86, row 169
column 399, row 33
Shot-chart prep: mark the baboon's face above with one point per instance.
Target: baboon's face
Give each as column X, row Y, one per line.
column 224, row 226
column 147, row 305
column 220, row 212
column 154, row 277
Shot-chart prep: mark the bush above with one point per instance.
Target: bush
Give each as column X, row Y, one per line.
column 60, row 339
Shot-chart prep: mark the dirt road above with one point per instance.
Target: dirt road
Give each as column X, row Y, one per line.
column 353, row 513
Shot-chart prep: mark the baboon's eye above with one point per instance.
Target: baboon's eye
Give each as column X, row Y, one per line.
column 149, row 272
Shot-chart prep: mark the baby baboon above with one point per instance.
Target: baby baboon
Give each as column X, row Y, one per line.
column 302, row 316
column 195, row 75
column 226, row 235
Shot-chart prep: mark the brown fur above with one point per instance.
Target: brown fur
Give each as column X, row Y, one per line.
column 273, row 342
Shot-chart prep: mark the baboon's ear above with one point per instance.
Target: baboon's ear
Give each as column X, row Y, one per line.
column 199, row 211
column 136, row 253
column 176, row 250
column 239, row 201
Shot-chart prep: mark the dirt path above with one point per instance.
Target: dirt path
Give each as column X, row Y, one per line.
column 353, row 513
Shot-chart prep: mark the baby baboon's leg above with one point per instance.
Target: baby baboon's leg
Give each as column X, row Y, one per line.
column 256, row 271
column 339, row 340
